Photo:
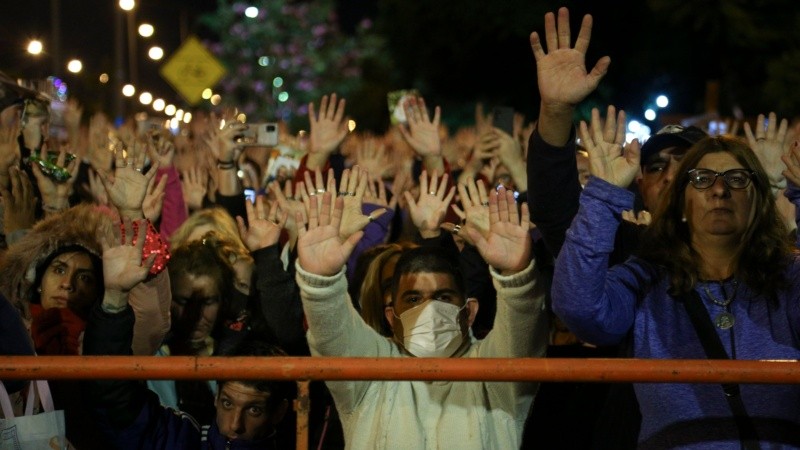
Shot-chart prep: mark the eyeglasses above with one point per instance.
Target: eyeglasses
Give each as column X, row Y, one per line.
column 734, row 178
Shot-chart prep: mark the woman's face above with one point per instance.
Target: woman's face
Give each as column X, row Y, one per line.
column 69, row 281
column 718, row 213
column 195, row 305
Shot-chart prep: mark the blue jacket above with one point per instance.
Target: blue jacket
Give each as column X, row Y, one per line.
column 603, row 306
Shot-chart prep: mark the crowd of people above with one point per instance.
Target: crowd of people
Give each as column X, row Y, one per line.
column 540, row 239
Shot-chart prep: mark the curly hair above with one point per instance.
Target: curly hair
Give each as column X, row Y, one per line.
column 764, row 250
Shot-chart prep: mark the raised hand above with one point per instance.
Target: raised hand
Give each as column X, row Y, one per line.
column 123, row 267
column 263, row 226
column 221, row 140
column 641, row 218
column 792, row 161
column 154, row 198
column 19, row 204
column 162, row 150
column 608, row 159
column 561, row 69
column 475, row 212
column 9, row 149
column 288, row 204
column 320, row 249
column 326, row 130
column 376, row 194
column 55, row 195
column 96, row 188
column 428, row 211
column 508, row 245
column 351, row 189
column 100, row 154
column 768, row 143
column 127, row 186
column 372, row 157
column 194, row 184
column 313, row 189
column 422, row 133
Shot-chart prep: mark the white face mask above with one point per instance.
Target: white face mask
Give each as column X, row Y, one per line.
column 432, row 329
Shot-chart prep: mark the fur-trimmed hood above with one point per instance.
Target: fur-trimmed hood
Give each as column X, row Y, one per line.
column 78, row 225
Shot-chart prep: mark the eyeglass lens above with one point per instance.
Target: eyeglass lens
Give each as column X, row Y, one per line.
column 734, row 178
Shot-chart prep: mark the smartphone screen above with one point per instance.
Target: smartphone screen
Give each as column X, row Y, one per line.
column 250, row 195
column 503, row 118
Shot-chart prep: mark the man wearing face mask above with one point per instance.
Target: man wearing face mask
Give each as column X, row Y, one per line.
column 430, row 318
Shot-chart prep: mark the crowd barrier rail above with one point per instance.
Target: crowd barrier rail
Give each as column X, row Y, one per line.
column 305, row 369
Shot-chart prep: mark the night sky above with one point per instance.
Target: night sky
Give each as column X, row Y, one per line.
column 489, row 59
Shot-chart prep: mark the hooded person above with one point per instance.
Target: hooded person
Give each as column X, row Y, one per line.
column 54, row 275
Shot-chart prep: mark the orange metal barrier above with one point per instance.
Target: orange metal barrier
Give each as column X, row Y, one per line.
column 456, row 369
column 427, row 369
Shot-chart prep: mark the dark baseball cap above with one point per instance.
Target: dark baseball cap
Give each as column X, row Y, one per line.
column 671, row 136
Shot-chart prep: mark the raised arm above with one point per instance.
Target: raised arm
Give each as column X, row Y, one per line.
column 586, row 295
column 553, row 186
column 561, row 72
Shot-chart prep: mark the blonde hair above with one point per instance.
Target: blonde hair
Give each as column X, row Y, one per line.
column 218, row 218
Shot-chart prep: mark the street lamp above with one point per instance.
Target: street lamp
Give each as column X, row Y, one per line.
column 35, row 47
column 127, row 5
column 128, row 90
column 146, row 30
column 75, row 66
column 155, row 53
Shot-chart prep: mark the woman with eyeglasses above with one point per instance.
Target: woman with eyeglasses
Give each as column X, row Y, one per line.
column 715, row 258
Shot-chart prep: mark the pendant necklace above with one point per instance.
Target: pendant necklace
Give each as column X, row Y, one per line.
column 725, row 319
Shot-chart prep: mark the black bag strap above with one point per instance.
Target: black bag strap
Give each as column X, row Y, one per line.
column 714, row 350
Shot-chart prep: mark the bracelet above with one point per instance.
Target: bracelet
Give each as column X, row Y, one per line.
column 225, row 165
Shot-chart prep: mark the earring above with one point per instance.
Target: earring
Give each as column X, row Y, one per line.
column 39, row 289
column 683, row 219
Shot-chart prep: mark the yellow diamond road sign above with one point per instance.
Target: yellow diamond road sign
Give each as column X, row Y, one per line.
column 192, row 69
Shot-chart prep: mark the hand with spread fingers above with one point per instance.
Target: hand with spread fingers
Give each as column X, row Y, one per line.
column 127, row 186
column 769, row 144
column 327, row 130
column 561, row 73
column 194, row 185
column 264, row 225
column 376, row 194
column 372, row 157
column 55, row 194
column 475, row 212
column 9, row 149
column 154, row 198
column 95, row 188
column 293, row 207
column 313, row 189
column 123, row 267
column 428, row 211
column 792, row 161
column 422, row 133
column 507, row 247
column 609, row 158
column 19, row 203
column 351, row 190
column 323, row 249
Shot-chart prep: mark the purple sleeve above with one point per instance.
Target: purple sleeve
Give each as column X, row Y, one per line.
column 374, row 233
column 174, row 212
column 792, row 192
column 597, row 304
